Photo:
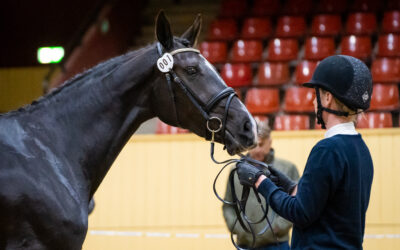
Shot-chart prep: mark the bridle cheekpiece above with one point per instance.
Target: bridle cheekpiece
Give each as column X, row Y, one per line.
column 166, row 63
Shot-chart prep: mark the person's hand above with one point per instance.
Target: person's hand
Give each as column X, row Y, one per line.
column 248, row 174
column 281, row 180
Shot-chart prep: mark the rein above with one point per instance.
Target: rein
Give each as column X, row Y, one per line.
column 239, row 205
column 165, row 64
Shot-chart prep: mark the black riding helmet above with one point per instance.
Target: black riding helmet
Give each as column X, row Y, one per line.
column 347, row 78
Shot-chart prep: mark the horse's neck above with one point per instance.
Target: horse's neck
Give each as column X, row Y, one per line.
column 93, row 120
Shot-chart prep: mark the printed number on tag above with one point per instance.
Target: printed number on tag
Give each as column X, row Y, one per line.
column 165, row 63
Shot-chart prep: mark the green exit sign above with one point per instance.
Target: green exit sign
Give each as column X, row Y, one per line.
column 53, row 54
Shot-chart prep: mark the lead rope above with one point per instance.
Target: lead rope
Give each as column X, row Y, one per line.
column 240, row 205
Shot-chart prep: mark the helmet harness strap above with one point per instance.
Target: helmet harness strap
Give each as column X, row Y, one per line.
column 320, row 109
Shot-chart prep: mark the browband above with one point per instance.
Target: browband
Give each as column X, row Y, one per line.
column 184, row 50
column 174, row 52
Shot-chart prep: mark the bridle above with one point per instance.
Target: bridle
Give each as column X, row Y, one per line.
column 165, row 65
column 203, row 108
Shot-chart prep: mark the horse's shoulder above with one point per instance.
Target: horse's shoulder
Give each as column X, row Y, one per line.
column 14, row 182
column 11, row 156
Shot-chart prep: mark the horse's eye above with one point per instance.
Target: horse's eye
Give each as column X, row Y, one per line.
column 191, row 70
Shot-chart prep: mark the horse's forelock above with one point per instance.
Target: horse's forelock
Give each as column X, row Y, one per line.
column 182, row 41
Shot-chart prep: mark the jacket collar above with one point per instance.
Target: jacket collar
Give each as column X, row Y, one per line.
column 341, row 129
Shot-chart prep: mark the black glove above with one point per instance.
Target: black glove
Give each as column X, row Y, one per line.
column 281, row 180
column 248, row 174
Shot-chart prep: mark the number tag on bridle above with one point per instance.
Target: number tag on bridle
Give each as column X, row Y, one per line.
column 165, row 63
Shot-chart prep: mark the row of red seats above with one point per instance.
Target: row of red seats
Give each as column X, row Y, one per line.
column 287, row 49
column 240, row 8
column 385, row 97
column 267, row 101
column 359, row 23
column 384, row 70
column 288, row 122
column 163, row 128
column 268, row 74
column 301, row 122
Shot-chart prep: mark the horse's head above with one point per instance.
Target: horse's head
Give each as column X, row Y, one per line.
column 191, row 95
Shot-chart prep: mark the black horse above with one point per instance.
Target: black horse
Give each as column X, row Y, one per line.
column 55, row 152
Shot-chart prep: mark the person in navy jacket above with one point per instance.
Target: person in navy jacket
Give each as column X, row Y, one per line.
column 329, row 203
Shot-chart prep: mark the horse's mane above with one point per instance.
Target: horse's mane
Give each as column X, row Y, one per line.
column 104, row 68
column 101, row 69
column 98, row 71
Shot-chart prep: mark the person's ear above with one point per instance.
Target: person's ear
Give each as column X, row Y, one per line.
column 328, row 99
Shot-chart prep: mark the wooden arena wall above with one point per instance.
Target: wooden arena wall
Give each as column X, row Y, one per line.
column 20, row 86
column 158, row 194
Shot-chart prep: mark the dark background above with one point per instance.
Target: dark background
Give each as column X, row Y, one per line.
column 27, row 25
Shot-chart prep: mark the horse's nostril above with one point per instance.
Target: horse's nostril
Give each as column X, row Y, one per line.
column 248, row 136
column 247, row 126
column 250, row 143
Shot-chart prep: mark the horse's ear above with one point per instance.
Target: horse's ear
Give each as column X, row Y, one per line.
column 163, row 31
column 193, row 32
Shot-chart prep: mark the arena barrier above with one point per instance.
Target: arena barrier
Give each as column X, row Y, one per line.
column 158, row 194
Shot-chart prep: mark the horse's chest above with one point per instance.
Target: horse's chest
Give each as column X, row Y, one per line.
column 64, row 228
column 35, row 209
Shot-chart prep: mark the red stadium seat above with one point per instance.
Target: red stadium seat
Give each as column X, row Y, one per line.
column 375, row 120
column 317, row 48
column 299, row 99
column 326, row 25
column 389, row 45
column 283, row 49
column 266, row 7
column 332, row 6
column 222, row 30
column 262, row 101
column 163, row 128
column 214, row 51
column 361, row 23
column 291, row 26
column 273, row 73
column 292, row 122
column 233, row 8
column 386, row 70
column 256, row 28
column 298, row 7
column 391, row 21
column 304, row 71
column 385, row 97
column 237, row 75
column 247, row 51
column 357, row 46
